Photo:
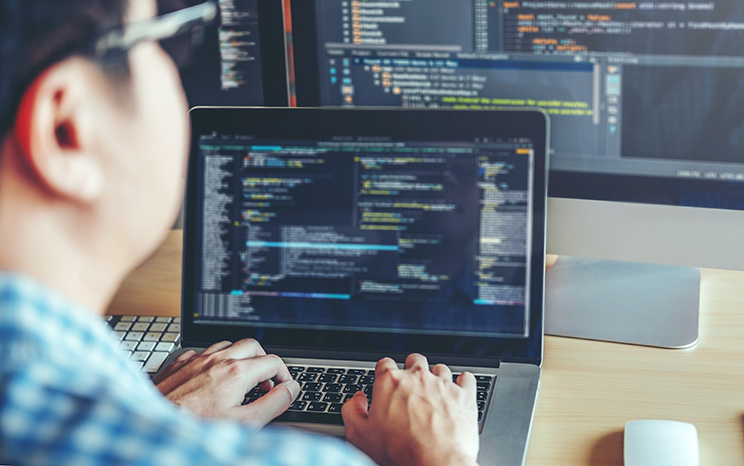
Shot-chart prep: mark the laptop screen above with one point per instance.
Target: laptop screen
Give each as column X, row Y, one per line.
column 373, row 229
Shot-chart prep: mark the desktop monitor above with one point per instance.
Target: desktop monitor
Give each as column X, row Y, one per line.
column 646, row 101
column 241, row 57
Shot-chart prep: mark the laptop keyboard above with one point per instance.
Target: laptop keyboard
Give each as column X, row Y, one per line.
column 324, row 390
column 147, row 340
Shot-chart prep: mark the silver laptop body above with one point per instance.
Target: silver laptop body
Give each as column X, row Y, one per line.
column 320, row 292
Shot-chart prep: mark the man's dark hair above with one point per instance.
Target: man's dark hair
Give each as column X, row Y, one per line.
column 33, row 32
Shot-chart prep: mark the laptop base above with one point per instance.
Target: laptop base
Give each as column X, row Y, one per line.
column 505, row 429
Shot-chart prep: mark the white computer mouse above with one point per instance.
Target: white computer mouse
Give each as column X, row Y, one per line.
column 661, row 443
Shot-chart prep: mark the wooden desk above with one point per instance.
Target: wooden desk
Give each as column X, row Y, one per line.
column 589, row 389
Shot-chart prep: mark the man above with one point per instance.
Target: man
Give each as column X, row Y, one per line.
column 93, row 143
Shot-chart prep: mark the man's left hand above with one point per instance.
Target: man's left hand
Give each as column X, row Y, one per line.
column 214, row 383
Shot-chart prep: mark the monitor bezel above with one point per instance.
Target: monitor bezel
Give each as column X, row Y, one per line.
column 306, row 76
column 275, row 77
column 296, row 122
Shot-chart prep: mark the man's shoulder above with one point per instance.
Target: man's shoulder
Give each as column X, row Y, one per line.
column 56, row 415
column 27, row 305
column 67, row 391
column 54, row 341
column 24, row 329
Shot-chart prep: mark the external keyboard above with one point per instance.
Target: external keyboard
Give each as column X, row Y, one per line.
column 147, row 340
column 324, row 390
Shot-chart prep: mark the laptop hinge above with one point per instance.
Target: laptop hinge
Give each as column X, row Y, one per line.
column 370, row 357
column 373, row 357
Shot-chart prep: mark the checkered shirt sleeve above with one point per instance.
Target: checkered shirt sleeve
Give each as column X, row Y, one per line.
column 68, row 397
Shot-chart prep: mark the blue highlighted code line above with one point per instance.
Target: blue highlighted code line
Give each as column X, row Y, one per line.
column 308, row 245
column 286, row 294
column 484, row 302
column 315, row 295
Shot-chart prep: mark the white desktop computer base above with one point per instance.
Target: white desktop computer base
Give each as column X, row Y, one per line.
column 624, row 302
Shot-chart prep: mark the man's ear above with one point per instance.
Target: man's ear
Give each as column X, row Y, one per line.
column 54, row 130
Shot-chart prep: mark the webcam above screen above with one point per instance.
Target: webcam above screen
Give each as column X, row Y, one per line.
column 242, row 57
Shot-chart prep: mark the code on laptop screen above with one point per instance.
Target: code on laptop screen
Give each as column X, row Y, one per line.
column 366, row 233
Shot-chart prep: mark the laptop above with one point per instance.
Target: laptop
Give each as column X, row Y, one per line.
column 336, row 237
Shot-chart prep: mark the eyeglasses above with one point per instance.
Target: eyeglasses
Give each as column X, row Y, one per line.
column 170, row 30
column 177, row 32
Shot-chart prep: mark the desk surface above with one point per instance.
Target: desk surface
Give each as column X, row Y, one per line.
column 589, row 389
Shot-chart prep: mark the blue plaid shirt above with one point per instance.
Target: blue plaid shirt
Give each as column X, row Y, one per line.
column 69, row 397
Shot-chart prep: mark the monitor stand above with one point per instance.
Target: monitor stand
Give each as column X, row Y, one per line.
column 624, row 302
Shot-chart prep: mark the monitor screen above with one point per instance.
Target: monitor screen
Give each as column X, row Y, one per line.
column 366, row 225
column 646, row 99
column 241, row 58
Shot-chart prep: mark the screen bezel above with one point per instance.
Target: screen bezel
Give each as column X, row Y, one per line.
column 315, row 123
column 304, row 44
column 273, row 53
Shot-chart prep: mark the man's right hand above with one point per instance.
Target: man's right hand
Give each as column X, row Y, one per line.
column 418, row 417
